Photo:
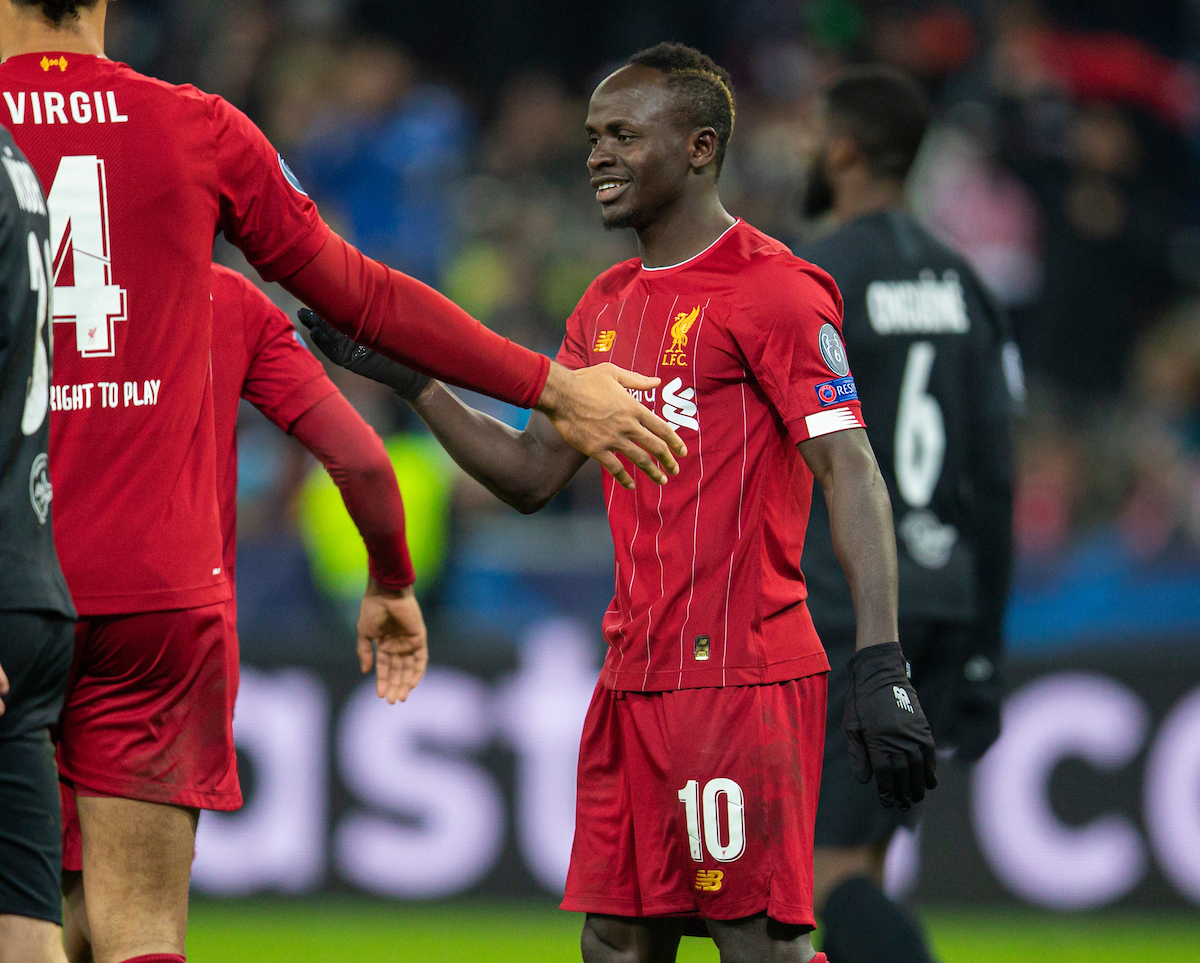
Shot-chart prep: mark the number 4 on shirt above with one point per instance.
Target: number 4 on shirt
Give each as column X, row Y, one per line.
column 84, row 292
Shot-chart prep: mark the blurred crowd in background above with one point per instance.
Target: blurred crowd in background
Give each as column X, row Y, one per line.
column 447, row 140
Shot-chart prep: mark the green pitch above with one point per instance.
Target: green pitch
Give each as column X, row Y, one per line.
column 361, row 931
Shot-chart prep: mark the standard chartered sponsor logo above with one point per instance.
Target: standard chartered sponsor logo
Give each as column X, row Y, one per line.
column 679, row 406
column 924, row 306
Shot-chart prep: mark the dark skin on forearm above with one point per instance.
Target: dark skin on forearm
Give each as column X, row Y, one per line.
column 522, row 468
column 860, row 518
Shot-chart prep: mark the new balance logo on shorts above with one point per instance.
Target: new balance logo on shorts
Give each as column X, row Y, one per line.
column 902, row 699
column 709, row 880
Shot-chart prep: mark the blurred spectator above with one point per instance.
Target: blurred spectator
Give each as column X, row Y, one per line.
column 386, row 156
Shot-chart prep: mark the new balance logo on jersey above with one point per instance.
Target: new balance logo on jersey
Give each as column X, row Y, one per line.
column 679, row 408
column 605, row 341
column 924, row 306
column 709, row 880
column 902, row 699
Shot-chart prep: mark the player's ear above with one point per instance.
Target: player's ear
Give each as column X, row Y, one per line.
column 843, row 152
column 703, row 148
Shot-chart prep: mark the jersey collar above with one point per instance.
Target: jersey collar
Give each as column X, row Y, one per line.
column 697, row 255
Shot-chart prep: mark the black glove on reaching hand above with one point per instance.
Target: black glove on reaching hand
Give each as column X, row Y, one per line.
column 889, row 735
column 352, row 356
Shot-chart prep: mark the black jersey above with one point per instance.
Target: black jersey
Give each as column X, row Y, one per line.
column 32, row 578
column 938, row 378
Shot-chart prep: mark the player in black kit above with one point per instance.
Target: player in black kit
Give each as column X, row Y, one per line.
column 36, row 613
column 939, row 382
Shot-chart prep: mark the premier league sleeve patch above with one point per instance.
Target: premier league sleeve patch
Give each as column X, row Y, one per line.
column 837, row 392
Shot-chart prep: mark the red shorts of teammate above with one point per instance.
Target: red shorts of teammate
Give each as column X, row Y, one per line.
column 149, row 710
column 699, row 802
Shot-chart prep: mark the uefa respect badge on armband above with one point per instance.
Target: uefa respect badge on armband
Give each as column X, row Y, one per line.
column 837, row 392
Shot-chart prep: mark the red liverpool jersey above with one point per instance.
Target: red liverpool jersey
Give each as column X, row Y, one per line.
column 746, row 339
column 257, row 355
column 140, row 175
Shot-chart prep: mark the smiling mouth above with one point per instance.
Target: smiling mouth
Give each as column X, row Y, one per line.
column 610, row 191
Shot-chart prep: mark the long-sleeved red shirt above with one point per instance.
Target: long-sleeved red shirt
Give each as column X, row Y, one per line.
column 258, row 356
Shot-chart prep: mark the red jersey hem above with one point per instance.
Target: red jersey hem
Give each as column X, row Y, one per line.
column 715, row 677
column 154, row 792
column 610, row 906
column 164, row 600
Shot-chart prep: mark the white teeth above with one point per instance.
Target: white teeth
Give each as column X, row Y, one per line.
column 609, row 186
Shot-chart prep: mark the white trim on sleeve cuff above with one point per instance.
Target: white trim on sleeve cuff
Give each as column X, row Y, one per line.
column 827, row 422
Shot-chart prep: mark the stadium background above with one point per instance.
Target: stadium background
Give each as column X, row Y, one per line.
column 446, row 139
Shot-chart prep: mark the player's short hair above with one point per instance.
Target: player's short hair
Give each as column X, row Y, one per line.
column 884, row 111
column 704, row 91
column 56, row 11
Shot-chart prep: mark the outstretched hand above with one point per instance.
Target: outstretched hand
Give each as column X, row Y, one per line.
column 594, row 411
column 888, row 732
column 3, row 688
column 392, row 637
column 349, row 354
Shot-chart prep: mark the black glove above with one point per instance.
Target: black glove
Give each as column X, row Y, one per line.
column 352, row 356
column 889, row 735
column 977, row 696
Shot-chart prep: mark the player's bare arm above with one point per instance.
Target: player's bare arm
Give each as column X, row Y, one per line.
column 3, row 688
column 523, row 468
column 889, row 735
column 860, row 516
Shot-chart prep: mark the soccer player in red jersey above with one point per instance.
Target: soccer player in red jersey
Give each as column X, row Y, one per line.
column 141, row 176
column 258, row 356
column 701, row 754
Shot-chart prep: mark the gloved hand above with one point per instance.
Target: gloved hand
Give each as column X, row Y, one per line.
column 889, row 735
column 352, row 356
column 977, row 697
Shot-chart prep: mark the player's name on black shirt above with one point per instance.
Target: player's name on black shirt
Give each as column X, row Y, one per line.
column 927, row 349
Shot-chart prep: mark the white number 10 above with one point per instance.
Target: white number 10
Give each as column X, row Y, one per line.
column 689, row 795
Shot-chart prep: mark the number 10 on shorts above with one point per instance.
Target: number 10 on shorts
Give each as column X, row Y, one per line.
column 714, row 791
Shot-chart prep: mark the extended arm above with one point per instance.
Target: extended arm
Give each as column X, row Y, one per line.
column 411, row 323
column 391, row 630
column 889, row 735
column 523, row 468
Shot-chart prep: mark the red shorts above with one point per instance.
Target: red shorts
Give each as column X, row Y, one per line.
column 149, row 708
column 699, row 802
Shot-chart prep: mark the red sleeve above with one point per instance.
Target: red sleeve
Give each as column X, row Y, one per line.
column 574, row 350
column 415, row 325
column 359, row 465
column 264, row 210
column 791, row 338
column 283, row 378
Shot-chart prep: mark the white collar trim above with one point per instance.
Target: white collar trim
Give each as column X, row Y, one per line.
column 668, row 267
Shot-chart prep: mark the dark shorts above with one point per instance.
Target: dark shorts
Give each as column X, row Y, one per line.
column 699, row 802
column 35, row 651
column 849, row 813
column 149, row 709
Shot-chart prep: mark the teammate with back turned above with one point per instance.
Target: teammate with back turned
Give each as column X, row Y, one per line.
column 258, row 356
column 142, row 176
column 35, row 607
column 701, row 754
column 930, row 351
